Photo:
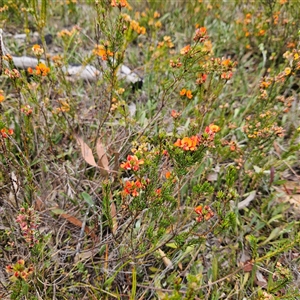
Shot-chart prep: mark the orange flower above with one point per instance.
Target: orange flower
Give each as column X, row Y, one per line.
column 226, row 75
column 182, row 92
column 168, row 175
column 198, row 209
column 42, row 69
column 226, row 62
column 4, row 132
column 102, row 51
column 188, row 143
column 156, row 15
column 201, row 78
column 132, row 163
column 200, row 34
column 134, row 193
column 132, row 187
column 261, row 32
column 185, row 50
column 2, row 98
column 10, row 131
column 189, row 94
column 214, row 128
column 119, row 3
column 175, row 114
column 203, row 212
column 134, row 25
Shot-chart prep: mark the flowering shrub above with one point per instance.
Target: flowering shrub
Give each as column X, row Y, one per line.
column 40, row 69
column 18, row 271
column 28, row 221
column 165, row 172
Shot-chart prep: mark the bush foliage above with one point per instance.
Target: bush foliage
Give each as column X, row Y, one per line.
column 178, row 179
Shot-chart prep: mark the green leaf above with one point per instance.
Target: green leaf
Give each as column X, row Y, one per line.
column 87, row 198
column 58, row 211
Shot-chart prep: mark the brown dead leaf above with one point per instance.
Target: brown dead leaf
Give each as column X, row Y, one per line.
column 260, row 279
column 116, row 161
column 248, row 266
column 102, row 159
column 277, row 148
column 77, row 223
column 292, row 187
column 39, row 204
column 286, row 194
column 86, row 151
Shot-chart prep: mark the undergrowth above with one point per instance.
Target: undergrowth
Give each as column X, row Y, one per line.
column 178, row 180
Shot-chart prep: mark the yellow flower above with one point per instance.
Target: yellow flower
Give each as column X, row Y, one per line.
column 214, row 128
column 287, row 71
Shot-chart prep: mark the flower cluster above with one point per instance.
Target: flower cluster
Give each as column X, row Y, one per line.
column 19, row 271
column 188, row 143
column 40, row 69
column 166, row 42
column 205, row 213
column 37, row 50
column 134, row 25
column 102, row 51
column 119, row 3
column 287, row 102
column 67, row 33
column 206, row 139
column 116, row 104
column 5, row 132
column 58, row 60
column 27, row 110
column 140, row 148
column 254, row 132
column 152, row 21
column 28, row 221
column 226, row 75
column 233, row 146
column 185, row 50
column 132, row 163
column 262, row 128
column 175, row 114
column 293, row 58
column 133, row 188
column 200, row 34
column 186, row 93
column 64, row 106
column 176, row 64
column 201, row 78
column 12, row 74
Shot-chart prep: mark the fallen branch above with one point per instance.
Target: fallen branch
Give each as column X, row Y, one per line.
column 88, row 72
